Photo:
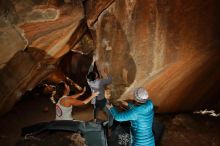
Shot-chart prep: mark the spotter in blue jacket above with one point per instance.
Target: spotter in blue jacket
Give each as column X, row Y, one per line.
column 141, row 118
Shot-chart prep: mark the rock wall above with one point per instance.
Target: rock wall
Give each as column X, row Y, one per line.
column 168, row 46
column 46, row 24
column 171, row 47
column 46, row 27
column 23, row 72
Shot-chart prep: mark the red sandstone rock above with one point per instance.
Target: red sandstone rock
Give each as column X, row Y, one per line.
column 40, row 24
column 94, row 8
column 23, row 72
column 169, row 47
column 52, row 36
column 44, row 25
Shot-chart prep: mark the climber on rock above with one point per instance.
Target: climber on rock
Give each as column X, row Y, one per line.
column 98, row 84
column 141, row 115
column 65, row 102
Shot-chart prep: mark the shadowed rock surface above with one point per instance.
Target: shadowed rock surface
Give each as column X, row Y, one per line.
column 189, row 129
column 169, row 47
column 46, row 26
column 22, row 73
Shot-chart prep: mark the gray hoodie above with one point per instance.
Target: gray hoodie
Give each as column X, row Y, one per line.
column 99, row 85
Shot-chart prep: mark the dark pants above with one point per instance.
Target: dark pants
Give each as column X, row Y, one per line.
column 101, row 105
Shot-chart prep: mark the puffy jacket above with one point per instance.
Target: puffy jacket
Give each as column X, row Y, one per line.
column 141, row 118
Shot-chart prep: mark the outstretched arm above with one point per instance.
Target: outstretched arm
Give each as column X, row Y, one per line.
column 77, row 86
column 107, row 79
column 73, row 83
column 92, row 64
column 76, row 102
column 128, row 115
column 75, row 96
column 87, row 100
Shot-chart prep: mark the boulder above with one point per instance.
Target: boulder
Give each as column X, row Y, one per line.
column 168, row 47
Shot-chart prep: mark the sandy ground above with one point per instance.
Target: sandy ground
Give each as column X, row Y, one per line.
column 181, row 129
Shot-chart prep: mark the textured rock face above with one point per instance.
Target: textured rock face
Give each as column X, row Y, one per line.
column 9, row 32
column 183, row 129
column 48, row 26
column 52, row 32
column 169, row 47
column 94, row 8
column 22, row 73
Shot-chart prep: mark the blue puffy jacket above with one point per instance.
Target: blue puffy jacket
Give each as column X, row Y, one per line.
column 141, row 118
